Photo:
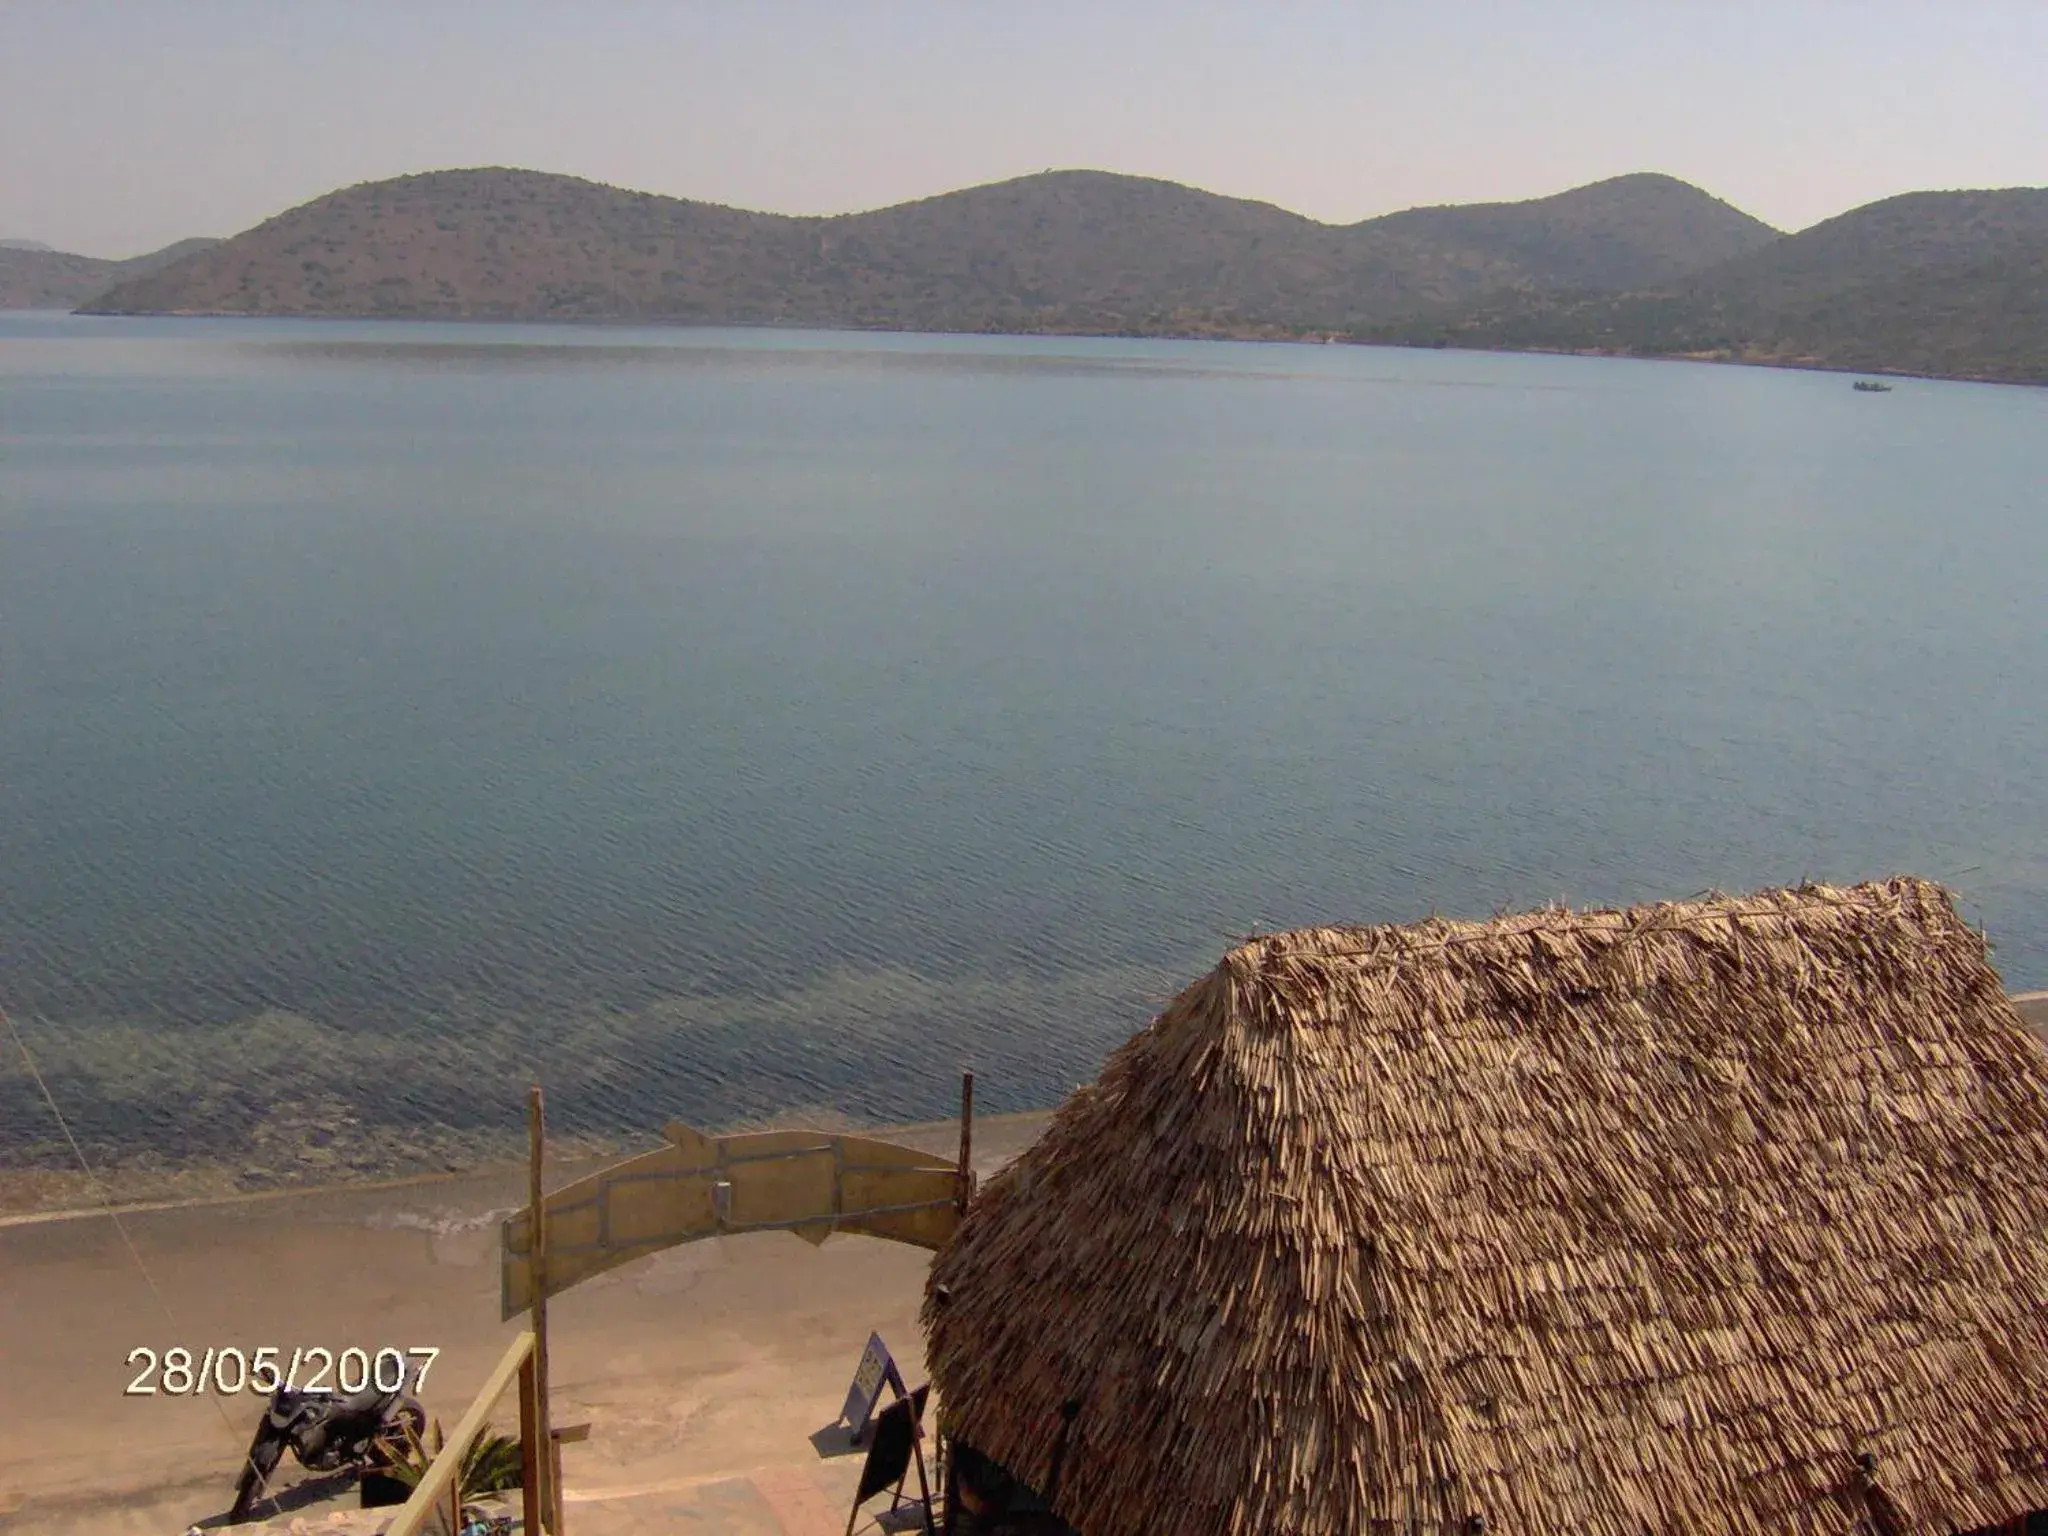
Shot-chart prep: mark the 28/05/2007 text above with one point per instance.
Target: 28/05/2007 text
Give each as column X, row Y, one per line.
column 177, row 1372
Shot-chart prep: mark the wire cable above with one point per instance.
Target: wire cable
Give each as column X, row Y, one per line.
column 105, row 1196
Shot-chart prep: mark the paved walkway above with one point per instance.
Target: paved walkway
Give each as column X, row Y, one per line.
column 772, row 1501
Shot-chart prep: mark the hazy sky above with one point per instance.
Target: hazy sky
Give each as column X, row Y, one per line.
column 127, row 124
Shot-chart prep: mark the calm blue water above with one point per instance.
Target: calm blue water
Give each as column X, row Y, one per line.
column 728, row 722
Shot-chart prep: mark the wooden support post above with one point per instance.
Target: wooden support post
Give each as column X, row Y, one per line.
column 924, row 1487
column 568, row 1434
column 548, row 1458
column 966, row 1197
column 966, row 1140
column 529, row 1450
column 950, row 1481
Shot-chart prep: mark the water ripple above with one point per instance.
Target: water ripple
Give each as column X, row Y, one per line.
column 793, row 722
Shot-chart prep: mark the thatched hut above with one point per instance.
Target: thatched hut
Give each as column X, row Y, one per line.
column 1712, row 1217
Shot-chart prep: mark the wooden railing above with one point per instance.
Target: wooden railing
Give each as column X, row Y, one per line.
column 440, row 1490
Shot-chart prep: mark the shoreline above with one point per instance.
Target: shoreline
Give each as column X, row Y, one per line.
column 579, row 1154
column 708, row 1372
column 31, row 1197
column 1273, row 335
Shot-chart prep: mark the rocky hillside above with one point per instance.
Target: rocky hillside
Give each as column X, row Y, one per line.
column 1064, row 251
column 1941, row 283
column 1628, row 232
column 1948, row 283
column 32, row 276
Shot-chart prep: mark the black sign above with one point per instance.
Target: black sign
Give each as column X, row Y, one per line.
column 889, row 1452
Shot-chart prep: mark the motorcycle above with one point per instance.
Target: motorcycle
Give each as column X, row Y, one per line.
column 327, row 1431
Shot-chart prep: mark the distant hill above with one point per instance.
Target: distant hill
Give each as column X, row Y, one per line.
column 1947, row 283
column 1941, row 283
column 1067, row 251
column 1628, row 232
column 32, row 276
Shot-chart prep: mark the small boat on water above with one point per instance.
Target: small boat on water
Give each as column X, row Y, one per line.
column 1872, row 387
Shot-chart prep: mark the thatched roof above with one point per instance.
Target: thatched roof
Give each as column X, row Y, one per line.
column 1602, row 1223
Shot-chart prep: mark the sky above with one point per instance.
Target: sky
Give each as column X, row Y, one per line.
column 126, row 125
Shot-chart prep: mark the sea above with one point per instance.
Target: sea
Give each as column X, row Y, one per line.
column 752, row 727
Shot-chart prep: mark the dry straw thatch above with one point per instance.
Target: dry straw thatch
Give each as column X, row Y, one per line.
column 1721, row 1216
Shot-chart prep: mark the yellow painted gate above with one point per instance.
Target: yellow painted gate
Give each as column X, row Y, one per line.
column 808, row 1182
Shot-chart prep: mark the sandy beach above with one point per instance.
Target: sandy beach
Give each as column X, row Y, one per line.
column 703, row 1372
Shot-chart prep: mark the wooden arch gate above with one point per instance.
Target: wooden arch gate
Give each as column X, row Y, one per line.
column 810, row 1183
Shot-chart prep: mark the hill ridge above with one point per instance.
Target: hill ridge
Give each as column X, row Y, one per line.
column 1940, row 284
column 1073, row 249
column 1641, row 263
column 35, row 276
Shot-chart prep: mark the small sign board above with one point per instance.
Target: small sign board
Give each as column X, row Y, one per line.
column 897, row 1428
column 876, row 1369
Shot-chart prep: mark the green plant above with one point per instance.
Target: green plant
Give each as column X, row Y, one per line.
column 492, row 1464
